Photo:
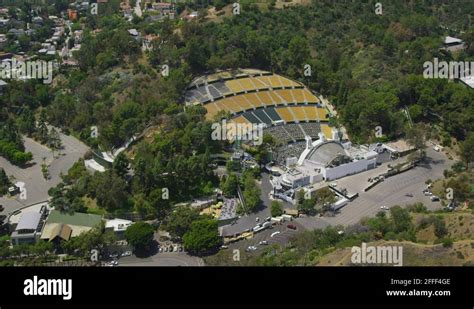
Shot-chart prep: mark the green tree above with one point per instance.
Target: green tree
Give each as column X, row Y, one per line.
column 416, row 136
column 26, row 122
column 401, row 219
column 467, row 149
column 140, row 235
column 4, row 182
column 110, row 190
column 276, row 209
column 440, row 227
column 54, row 140
column 120, row 165
column 325, row 199
column 305, row 205
column 202, row 237
column 180, row 220
column 42, row 129
column 229, row 188
column 251, row 193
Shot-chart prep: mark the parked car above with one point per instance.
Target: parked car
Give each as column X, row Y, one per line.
column 275, row 233
column 222, row 247
column 251, row 248
column 263, row 243
column 434, row 198
column 384, row 207
column 127, row 253
column 291, row 226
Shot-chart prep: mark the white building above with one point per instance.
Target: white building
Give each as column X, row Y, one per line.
column 328, row 160
column 453, row 44
column 119, row 226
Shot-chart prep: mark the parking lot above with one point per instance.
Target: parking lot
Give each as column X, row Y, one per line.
column 395, row 190
column 402, row 189
column 36, row 186
column 281, row 235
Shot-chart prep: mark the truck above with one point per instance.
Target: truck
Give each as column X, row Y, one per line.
column 267, row 224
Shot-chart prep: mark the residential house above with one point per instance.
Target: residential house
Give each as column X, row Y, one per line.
column 55, row 225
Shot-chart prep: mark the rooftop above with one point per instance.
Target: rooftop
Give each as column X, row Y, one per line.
column 451, row 40
column 468, row 80
column 79, row 219
column 51, row 231
column 326, row 152
column 118, row 224
column 29, row 221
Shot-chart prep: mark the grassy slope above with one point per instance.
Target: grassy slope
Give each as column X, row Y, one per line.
column 425, row 252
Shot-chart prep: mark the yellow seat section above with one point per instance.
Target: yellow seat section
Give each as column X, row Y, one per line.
column 259, row 84
column 264, row 97
column 225, row 105
column 288, row 83
column 247, row 84
column 285, row 94
column 311, row 112
column 327, row 131
column 253, row 97
column 240, row 119
column 264, row 80
column 298, row 95
column 274, row 81
column 212, row 110
column 233, row 104
column 240, row 101
column 234, row 85
column 298, row 111
column 310, row 98
column 322, row 112
column 285, row 114
column 275, row 98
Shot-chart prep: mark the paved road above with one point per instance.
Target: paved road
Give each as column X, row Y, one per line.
column 163, row 259
column 36, row 186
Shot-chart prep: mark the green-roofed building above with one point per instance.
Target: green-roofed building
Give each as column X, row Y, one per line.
column 78, row 222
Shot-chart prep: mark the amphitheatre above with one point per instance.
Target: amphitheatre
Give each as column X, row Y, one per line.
column 287, row 109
